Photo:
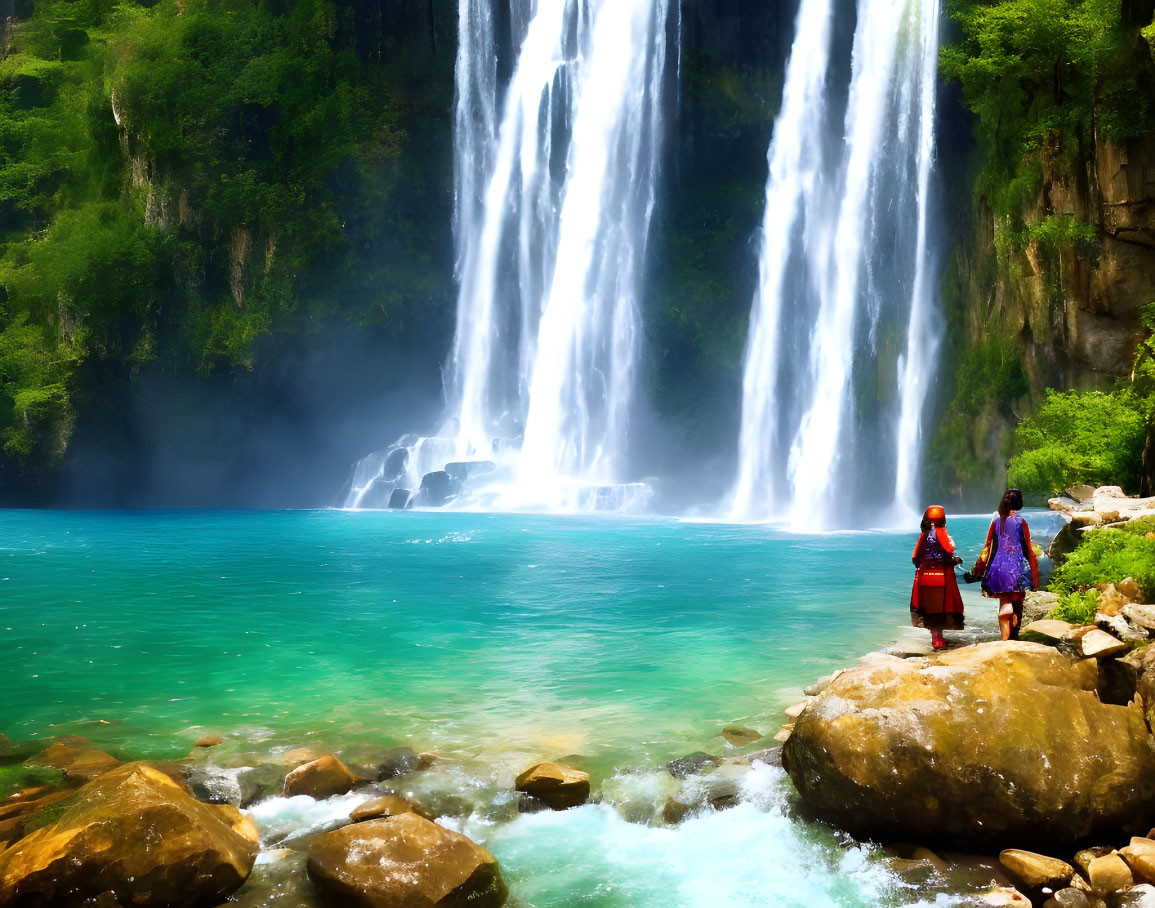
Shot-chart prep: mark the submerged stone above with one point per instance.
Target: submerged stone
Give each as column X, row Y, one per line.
column 692, row 763
column 740, row 735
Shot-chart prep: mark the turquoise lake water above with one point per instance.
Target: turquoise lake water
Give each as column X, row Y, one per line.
column 493, row 640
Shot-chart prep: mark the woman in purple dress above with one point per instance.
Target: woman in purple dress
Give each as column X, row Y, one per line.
column 1007, row 566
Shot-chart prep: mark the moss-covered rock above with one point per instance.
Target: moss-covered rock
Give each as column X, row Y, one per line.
column 994, row 744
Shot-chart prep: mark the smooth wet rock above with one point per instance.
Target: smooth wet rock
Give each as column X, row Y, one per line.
column 299, row 756
column 1109, row 873
column 1068, row 898
column 323, row 778
column 1004, row 897
column 398, row 500
column 813, row 690
column 395, row 463
column 132, row 837
column 772, row 756
column 208, row 741
column 1140, row 857
column 77, row 763
column 462, row 471
column 934, row 748
column 1084, row 856
column 692, row 763
column 740, row 735
column 557, row 787
column 437, row 489
column 20, row 813
column 259, row 782
column 1141, row 896
column 397, row 761
column 1050, row 628
column 1035, row 872
column 389, row 805
column 1080, row 492
column 405, row 861
column 15, row 751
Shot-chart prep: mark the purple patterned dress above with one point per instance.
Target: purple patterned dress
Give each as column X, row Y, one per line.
column 1010, row 570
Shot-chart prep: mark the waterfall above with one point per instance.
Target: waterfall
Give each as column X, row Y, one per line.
column 548, row 320
column 556, row 179
column 842, row 331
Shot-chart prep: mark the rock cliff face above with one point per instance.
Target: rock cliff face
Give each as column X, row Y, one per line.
column 1076, row 307
column 1054, row 304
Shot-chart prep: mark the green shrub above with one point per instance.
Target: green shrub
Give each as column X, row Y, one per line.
column 1090, row 437
column 1108, row 556
column 1076, row 608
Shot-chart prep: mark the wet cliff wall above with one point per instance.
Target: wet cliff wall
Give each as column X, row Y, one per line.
column 1052, row 257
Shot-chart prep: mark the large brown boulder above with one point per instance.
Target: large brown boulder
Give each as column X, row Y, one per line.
column 405, row 862
column 131, row 837
column 993, row 744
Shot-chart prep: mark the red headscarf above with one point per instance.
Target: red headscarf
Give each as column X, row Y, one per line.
column 936, row 514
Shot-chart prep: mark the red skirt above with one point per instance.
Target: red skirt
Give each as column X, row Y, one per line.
column 935, row 601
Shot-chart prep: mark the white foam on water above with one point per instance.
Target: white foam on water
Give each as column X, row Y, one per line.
column 750, row 855
column 286, row 819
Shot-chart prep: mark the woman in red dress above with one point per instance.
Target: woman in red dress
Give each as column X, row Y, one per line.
column 935, row 602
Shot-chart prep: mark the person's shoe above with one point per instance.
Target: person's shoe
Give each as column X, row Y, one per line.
column 938, row 643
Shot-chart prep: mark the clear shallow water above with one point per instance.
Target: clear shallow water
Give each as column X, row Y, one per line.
column 494, row 640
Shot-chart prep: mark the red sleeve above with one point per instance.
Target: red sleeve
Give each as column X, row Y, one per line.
column 917, row 556
column 980, row 566
column 1029, row 551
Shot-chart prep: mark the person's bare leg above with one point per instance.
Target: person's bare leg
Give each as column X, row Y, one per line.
column 1006, row 618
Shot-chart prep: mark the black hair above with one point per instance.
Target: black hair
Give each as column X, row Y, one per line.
column 1012, row 501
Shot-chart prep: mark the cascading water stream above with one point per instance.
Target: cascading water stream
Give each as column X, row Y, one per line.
column 554, row 202
column 842, row 329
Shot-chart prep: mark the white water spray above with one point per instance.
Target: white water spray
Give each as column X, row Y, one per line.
column 554, row 202
column 832, row 399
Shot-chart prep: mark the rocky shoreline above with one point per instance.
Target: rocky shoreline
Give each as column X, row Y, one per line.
column 1044, row 743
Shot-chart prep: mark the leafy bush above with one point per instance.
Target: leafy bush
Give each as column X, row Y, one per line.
column 1076, row 608
column 1108, row 556
column 1090, row 437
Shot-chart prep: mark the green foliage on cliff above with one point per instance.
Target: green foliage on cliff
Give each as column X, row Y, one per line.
column 1090, row 437
column 1044, row 75
column 182, row 179
column 1109, row 556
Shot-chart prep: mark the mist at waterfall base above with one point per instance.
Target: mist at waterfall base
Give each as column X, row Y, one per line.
column 495, row 641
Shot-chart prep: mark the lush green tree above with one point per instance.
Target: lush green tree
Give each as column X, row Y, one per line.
column 182, row 179
column 1091, row 437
